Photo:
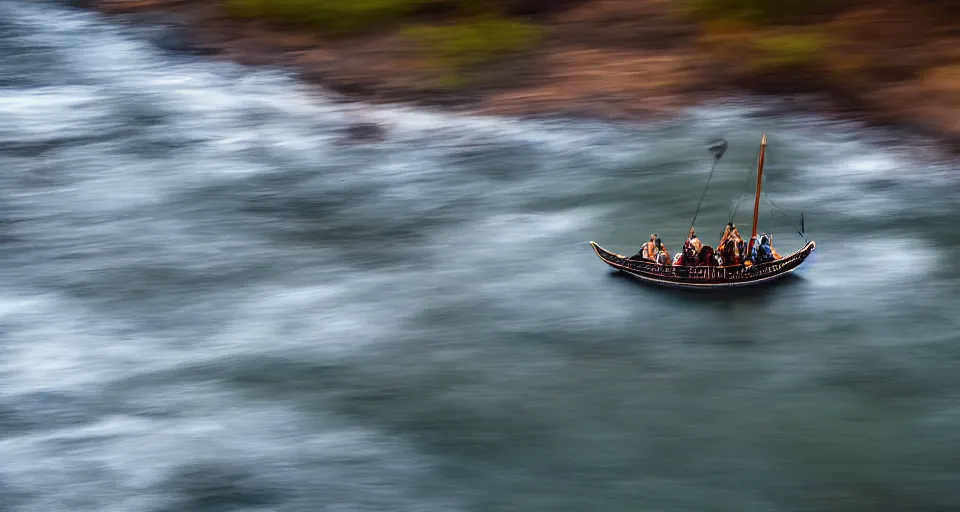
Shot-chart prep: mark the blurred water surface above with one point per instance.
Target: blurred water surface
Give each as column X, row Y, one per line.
column 210, row 302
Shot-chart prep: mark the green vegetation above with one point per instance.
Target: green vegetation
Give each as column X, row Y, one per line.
column 761, row 29
column 478, row 34
column 332, row 16
column 791, row 49
column 764, row 11
column 474, row 42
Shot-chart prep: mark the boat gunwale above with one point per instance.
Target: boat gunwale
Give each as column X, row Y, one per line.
column 675, row 280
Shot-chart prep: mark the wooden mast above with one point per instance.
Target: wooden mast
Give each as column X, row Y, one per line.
column 756, row 201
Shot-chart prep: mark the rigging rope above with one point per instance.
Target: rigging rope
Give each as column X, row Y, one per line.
column 742, row 191
column 704, row 193
column 799, row 230
column 769, row 201
column 737, row 206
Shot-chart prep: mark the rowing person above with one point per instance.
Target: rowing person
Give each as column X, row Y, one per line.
column 661, row 256
column 773, row 250
column 694, row 241
column 740, row 244
column 727, row 232
column 689, row 254
column 763, row 251
column 731, row 246
column 649, row 250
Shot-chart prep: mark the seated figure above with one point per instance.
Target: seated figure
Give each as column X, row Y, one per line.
column 694, row 241
column 688, row 256
column 763, row 251
column 648, row 251
column 707, row 258
column 731, row 246
column 661, row 255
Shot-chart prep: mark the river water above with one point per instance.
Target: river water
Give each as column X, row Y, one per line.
column 209, row 301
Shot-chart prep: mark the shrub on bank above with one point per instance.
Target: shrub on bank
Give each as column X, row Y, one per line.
column 473, row 42
column 346, row 16
column 337, row 16
column 790, row 49
column 757, row 10
column 482, row 33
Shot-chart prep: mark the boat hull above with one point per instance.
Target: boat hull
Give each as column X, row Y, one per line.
column 706, row 277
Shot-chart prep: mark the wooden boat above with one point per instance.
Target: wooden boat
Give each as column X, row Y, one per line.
column 713, row 277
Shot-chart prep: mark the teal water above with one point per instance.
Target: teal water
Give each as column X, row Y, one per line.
column 210, row 302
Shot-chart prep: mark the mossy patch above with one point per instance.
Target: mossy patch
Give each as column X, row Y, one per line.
column 460, row 46
column 475, row 32
column 332, row 16
column 773, row 11
column 790, row 49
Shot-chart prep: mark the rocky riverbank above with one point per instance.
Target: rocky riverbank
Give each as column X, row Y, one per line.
column 898, row 65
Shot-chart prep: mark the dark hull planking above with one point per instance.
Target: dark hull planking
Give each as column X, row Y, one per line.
column 706, row 277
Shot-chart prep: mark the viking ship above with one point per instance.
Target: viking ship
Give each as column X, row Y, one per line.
column 714, row 276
